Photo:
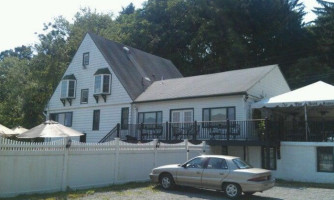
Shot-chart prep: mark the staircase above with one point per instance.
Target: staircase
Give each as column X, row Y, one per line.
column 111, row 135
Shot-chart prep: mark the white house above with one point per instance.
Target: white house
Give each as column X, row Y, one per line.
column 110, row 90
column 108, row 83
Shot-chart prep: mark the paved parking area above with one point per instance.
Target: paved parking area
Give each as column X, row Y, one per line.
column 155, row 192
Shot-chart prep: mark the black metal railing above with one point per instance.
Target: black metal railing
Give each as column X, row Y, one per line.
column 249, row 130
column 111, row 135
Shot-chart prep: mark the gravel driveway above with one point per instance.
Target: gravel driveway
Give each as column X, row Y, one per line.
column 155, row 192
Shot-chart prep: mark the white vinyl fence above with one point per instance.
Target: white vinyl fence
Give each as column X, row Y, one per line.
column 48, row 167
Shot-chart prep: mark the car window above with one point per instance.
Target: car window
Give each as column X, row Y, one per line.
column 217, row 163
column 196, row 163
column 241, row 164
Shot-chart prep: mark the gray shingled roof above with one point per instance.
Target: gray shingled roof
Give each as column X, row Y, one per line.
column 225, row 83
column 131, row 65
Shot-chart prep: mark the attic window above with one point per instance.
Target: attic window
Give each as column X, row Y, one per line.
column 102, row 83
column 85, row 59
column 68, row 86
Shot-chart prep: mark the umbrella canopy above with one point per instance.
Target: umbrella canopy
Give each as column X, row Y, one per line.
column 50, row 129
column 316, row 94
column 4, row 131
column 19, row 130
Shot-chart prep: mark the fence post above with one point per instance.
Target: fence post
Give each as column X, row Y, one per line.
column 186, row 144
column 118, row 129
column 65, row 165
column 116, row 160
column 228, row 129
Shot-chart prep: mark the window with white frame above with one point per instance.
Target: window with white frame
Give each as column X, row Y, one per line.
column 68, row 88
column 85, row 59
column 84, row 96
column 102, row 84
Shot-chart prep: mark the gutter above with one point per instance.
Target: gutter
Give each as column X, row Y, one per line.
column 192, row 97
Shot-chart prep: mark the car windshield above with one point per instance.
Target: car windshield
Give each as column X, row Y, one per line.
column 241, row 164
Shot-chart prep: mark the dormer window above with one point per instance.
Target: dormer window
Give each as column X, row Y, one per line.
column 68, row 86
column 85, row 59
column 102, row 83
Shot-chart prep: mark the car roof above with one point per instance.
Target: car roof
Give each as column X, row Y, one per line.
column 219, row 156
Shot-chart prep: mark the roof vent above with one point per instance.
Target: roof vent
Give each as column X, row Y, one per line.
column 126, row 49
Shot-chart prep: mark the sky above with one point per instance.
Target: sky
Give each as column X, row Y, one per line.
column 21, row 19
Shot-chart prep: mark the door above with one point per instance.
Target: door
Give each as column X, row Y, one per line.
column 182, row 116
column 191, row 173
column 214, row 173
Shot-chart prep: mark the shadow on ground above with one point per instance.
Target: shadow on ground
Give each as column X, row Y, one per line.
column 208, row 194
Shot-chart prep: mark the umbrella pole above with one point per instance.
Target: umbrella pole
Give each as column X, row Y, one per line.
column 306, row 125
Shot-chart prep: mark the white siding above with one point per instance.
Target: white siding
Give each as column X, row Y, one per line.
column 83, row 113
column 197, row 104
column 299, row 162
column 271, row 85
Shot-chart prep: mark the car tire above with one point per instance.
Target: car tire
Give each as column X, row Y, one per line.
column 232, row 190
column 249, row 193
column 167, row 181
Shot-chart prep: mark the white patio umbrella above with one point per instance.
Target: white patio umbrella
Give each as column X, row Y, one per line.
column 6, row 132
column 19, row 130
column 50, row 129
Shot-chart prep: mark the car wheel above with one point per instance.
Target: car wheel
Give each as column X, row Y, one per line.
column 167, row 181
column 232, row 190
column 249, row 193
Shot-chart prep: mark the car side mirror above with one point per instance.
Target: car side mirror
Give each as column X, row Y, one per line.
column 184, row 165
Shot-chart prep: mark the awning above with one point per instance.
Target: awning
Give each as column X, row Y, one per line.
column 316, row 94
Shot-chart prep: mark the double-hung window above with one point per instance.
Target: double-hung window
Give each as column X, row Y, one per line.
column 125, row 118
column 102, row 82
column 84, row 96
column 63, row 118
column 96, row 120
column 218, row 114
column 85, row 59
column 150, row 117
column 68, row 86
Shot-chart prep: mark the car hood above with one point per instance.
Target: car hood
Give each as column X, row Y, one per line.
column 173, row 166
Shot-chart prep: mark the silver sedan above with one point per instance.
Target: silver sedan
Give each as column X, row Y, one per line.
column 224, row 173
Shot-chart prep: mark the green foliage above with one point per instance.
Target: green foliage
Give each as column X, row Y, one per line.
column 199, row 36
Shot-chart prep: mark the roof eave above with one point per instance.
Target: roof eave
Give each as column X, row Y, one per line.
column 192, row 97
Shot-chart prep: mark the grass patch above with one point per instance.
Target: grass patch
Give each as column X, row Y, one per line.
column 74, row 194
column 284, row 183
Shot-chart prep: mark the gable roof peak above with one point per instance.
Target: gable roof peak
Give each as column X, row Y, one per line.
column 131, row 65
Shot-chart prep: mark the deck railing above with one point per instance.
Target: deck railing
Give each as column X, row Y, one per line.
column 248, row 130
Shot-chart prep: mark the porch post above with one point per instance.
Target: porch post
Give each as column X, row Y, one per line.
column 228, row 129
column 167, row 131
column 141, row 131
column 306, row 125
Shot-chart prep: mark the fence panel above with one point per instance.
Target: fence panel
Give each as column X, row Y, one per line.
column 49, row 167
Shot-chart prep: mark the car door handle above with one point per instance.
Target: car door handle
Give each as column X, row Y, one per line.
column 221, row 173
column 198, row 172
